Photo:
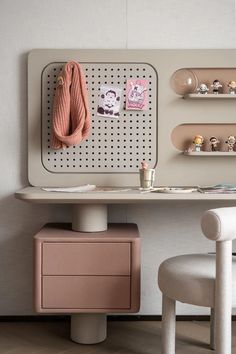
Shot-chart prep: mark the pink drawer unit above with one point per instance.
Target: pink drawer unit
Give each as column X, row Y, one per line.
column 80, row 272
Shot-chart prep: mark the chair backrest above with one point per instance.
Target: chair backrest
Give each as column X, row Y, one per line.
column 220, row 225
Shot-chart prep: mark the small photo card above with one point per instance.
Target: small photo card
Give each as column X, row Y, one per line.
column 136, row 94
column 109, row 101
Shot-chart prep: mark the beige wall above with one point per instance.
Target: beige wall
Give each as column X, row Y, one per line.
column 29, row 24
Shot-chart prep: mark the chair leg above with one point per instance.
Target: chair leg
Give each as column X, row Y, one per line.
column 223, row 297
column 212, row 329
column 168, row 325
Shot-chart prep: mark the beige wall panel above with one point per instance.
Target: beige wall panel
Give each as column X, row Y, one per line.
column 172, row 167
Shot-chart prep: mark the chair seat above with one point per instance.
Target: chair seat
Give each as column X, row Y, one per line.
column 191, row 278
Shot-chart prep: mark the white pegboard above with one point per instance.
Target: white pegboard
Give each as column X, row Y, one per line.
column 114, row 145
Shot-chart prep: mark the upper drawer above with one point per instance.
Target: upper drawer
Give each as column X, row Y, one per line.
column 86, row 258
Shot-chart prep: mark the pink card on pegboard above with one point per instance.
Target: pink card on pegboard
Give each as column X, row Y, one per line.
column 136, row 94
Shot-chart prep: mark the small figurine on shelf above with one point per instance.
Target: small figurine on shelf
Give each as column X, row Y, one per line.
column 214, row 143
column 231, row 142
column 202, row 89
column 216, row 86
column 198, row 142
column 232, row 87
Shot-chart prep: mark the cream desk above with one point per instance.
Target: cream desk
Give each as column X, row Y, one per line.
column 90, row 208
column 92, row 268
column 131, row 196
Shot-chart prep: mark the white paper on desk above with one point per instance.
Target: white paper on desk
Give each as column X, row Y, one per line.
column 79, row 189
column 111, row 190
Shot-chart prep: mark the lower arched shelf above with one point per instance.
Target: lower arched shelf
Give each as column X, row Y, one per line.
column 210, row 153
column 182, row 137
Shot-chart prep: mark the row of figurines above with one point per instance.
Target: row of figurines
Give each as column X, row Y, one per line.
column 214, row 142
column 217, row 88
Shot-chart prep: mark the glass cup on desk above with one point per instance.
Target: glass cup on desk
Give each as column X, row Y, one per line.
column 147, row 178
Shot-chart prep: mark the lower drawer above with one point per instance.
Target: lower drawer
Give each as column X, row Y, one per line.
column 86, row 292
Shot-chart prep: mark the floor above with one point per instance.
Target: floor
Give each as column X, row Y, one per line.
column 123, row 338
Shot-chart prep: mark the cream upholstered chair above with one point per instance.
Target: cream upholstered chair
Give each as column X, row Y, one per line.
column 203, row 280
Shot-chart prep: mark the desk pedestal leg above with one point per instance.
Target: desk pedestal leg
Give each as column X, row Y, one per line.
column 89, row 217
column 89, row 328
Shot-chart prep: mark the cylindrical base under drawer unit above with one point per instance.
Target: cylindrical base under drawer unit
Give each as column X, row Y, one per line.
column 88, row 328
column 89, row 217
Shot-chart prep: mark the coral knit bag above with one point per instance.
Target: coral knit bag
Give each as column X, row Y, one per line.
column 71, row 117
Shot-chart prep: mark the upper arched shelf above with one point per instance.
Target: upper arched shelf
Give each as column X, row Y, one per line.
column 186, row 82
column 209, row 96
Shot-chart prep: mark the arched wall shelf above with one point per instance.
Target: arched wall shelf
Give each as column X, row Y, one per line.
column 183, row 134
column 185, row 81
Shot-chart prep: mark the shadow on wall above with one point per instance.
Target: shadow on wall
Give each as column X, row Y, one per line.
column 19, row 221
column 23, row 117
